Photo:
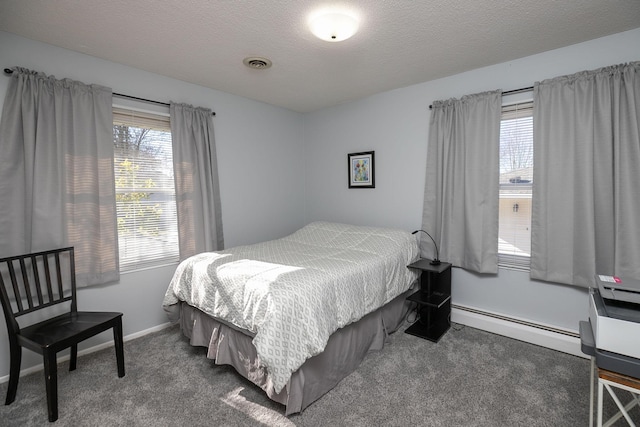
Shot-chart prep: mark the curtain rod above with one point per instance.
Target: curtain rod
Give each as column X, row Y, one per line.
column 509, row 92
column 9, row 71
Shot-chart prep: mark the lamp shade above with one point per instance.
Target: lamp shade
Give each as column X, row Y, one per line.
column 334, row 27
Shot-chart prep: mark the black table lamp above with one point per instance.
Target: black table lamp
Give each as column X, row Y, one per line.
column 436, row 260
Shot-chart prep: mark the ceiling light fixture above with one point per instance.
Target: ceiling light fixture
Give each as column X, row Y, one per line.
column 257, row 62
column 333, row 26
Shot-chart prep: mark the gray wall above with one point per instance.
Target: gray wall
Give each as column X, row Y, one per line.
column 280, row 170
column 395, row 124
column 259, row 148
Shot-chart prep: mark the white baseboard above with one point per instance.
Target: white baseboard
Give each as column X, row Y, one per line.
column 40, row 366
column 543, row 335
column 538, row 334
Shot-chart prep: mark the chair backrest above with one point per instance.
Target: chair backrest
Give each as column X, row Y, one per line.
column 36, row 281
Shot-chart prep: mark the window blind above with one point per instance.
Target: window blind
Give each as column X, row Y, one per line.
column 140, row 119
column 516, row 181
column 145, row 192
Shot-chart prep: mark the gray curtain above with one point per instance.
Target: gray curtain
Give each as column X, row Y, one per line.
column 196, row 179
column 461, row 190
column 56, row 173
column 586, row 192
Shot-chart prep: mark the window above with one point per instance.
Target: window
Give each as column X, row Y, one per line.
column 145, row 192
column 516, row 181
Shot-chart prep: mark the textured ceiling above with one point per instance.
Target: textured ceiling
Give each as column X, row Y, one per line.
column 399, row 43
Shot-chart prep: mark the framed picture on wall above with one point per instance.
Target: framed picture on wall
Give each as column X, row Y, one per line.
column 361, row 170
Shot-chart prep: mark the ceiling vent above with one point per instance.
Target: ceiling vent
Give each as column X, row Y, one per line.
column 257, row 62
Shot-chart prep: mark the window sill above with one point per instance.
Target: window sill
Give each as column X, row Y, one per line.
column 150, row 267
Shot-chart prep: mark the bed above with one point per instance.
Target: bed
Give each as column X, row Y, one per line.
column 297, row 314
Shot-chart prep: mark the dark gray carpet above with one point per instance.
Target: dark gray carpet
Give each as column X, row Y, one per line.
column 469, row 378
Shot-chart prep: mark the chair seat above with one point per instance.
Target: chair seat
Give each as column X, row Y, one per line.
column 67, row 328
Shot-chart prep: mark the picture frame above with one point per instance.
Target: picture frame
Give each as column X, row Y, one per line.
column 361, row 169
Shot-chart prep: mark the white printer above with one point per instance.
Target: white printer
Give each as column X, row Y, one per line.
column 614, row 314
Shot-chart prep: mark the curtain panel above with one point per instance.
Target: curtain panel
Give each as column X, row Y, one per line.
column 196, row 180
column 56, row 172
column 586, row 176
column 461, row 190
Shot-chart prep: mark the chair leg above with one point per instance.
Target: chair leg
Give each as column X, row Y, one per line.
column 14, row 372
column 73, row 357
column 117, row 340
column 51, row 383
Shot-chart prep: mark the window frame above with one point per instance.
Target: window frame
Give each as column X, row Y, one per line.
column 166, row 258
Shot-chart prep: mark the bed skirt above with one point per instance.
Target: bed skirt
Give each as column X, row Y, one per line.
column 344, row 351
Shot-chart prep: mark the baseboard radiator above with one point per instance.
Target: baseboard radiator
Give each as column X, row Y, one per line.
column 548, row 336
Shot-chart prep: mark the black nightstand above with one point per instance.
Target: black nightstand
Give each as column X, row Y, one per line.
column 433, row 299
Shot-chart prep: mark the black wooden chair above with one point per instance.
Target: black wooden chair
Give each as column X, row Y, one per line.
column 38, row 281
